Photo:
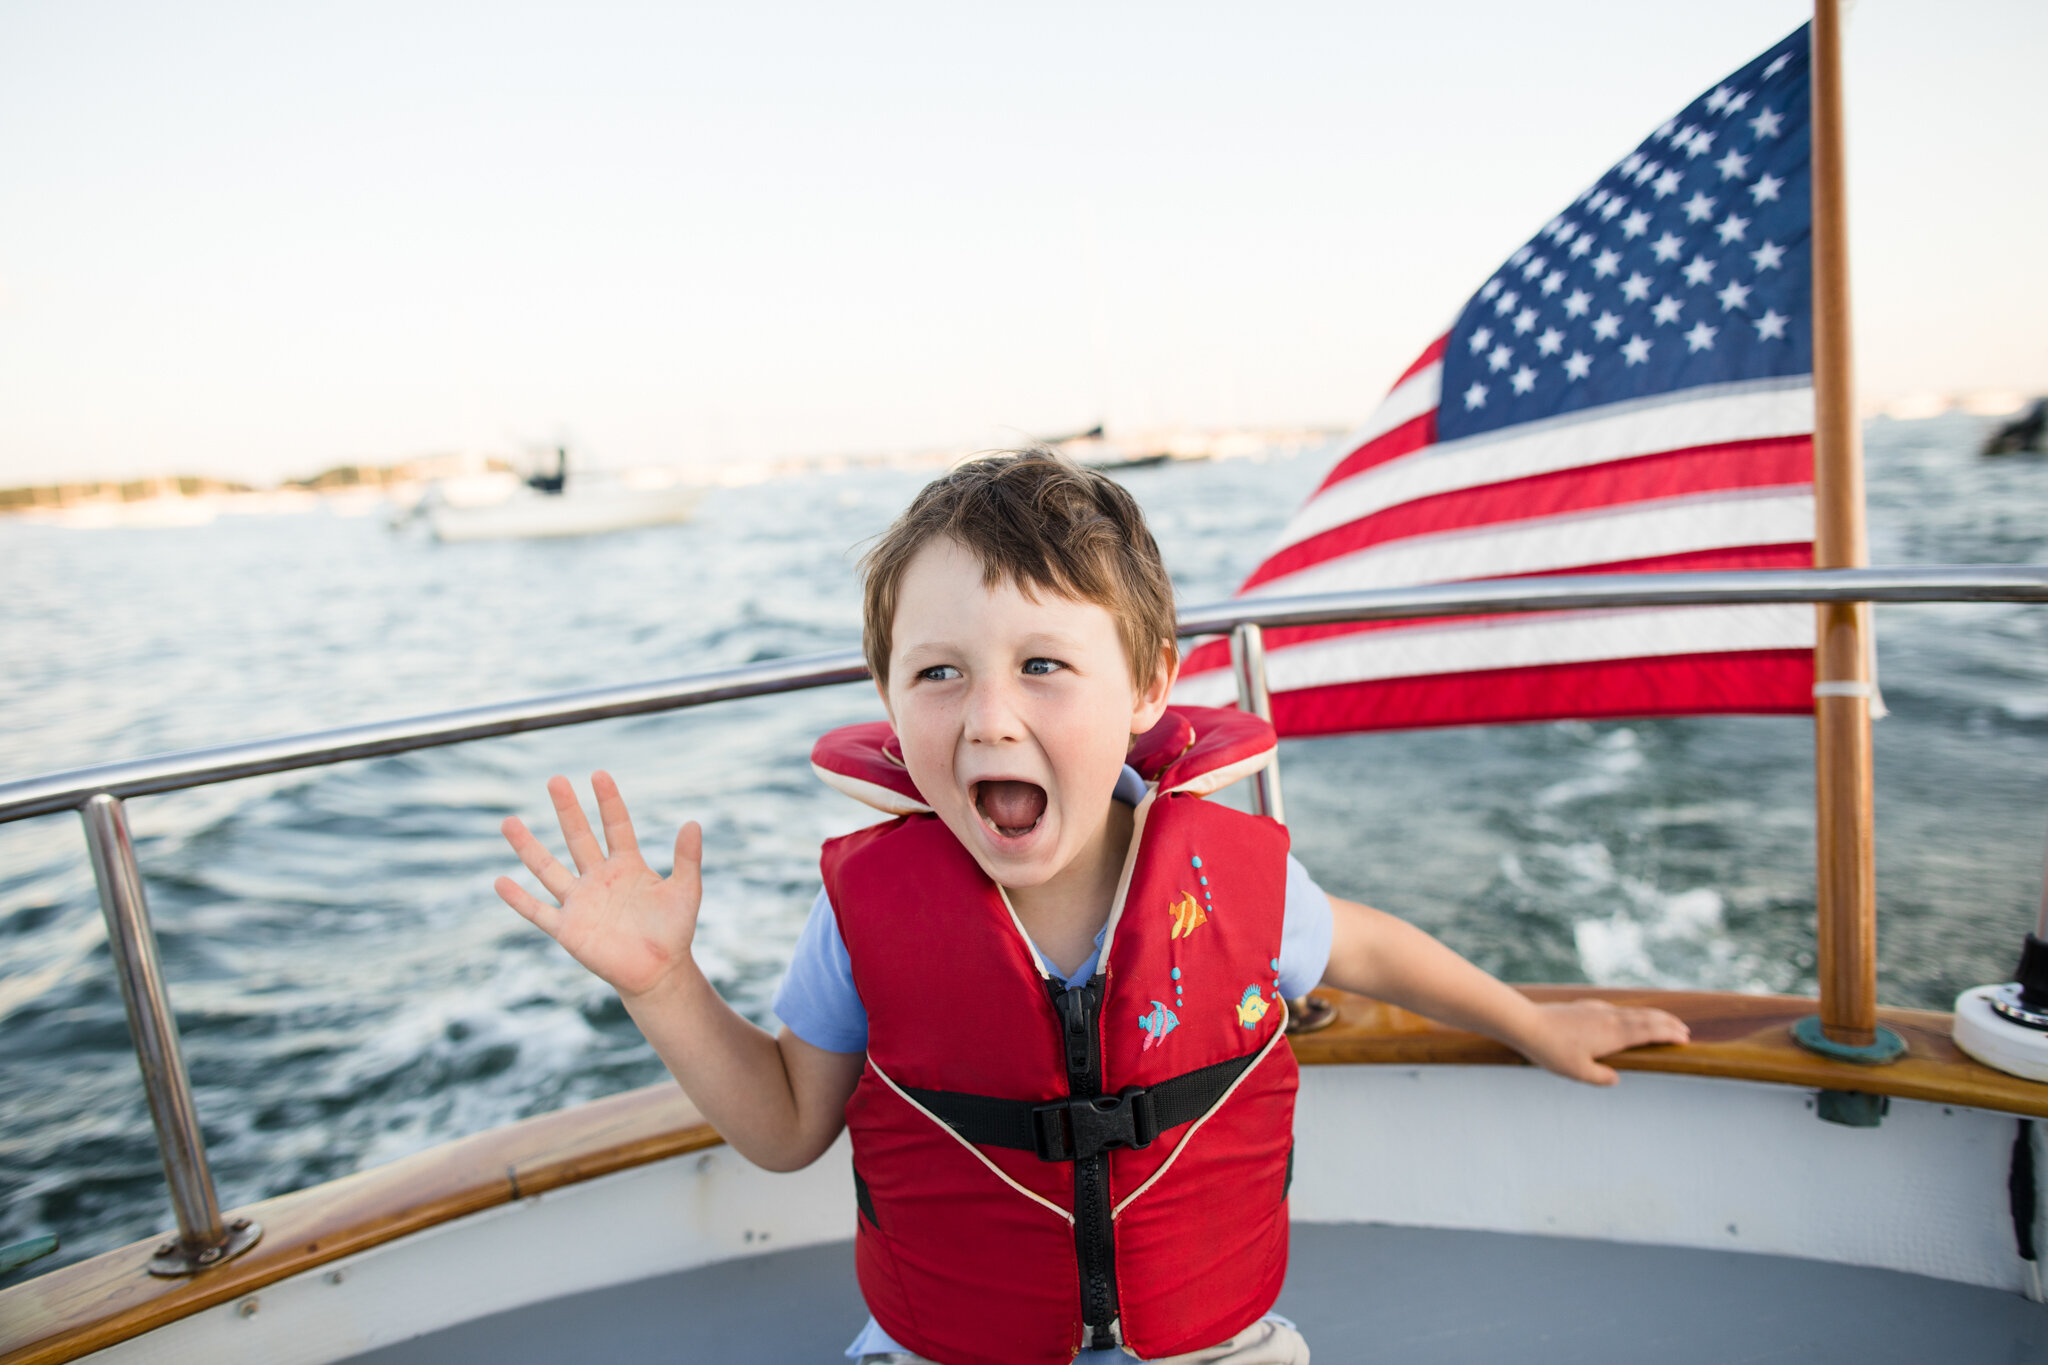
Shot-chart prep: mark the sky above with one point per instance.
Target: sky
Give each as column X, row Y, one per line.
column 258, row 240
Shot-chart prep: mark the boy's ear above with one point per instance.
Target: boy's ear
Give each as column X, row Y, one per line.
column 887, row 709
column 1151, row 701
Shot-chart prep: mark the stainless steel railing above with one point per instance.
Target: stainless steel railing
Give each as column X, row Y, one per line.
column 97, row 793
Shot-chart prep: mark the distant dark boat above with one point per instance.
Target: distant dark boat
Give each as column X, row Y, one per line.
column 2023, row 434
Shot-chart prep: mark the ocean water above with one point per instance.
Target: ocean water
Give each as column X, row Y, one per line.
column 350, row 989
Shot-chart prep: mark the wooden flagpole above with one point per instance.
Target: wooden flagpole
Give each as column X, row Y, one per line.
column 1842, row 654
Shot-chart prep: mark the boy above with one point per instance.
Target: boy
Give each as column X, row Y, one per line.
column 969, row 994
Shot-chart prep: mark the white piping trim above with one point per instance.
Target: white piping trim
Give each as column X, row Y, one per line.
column 1221, row 1100
column 1844, row 689
column 1015, row 923
column 886, row 799
column 1123, row 881
column 975, row 1151
column 1216, row 779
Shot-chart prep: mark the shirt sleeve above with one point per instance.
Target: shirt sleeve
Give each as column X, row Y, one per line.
column 1305, row 929
column 817, row 998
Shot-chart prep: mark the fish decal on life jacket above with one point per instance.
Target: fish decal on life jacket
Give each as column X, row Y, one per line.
column 1187, row 916
column 1252, row 1008
column 1157, row 1023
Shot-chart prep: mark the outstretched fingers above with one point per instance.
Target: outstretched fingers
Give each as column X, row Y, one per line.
column 583, row 846
column 536, row 858
column 611, row 809
column 545, row 917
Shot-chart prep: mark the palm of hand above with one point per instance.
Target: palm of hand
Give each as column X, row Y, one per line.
column 617, row 916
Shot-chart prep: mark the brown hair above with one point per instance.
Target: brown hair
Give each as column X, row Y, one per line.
column 1045, row 524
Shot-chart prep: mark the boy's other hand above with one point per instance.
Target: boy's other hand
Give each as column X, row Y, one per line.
column 1569, row 1037
column 615, row 915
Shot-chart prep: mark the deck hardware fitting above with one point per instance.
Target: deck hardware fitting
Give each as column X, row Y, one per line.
column 1307, row 1013
column 336, row 1276
column 247, row 1307
column 2024, row 1199
column 1852, row 1108
column 1886, row 1047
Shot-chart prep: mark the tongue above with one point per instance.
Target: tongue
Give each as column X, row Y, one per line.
column 1012, row 807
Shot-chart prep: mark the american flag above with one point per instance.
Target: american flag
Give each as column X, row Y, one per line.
column 1631, row 392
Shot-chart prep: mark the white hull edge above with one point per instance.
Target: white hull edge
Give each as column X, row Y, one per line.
column 539, row 517
column 1659, row 1159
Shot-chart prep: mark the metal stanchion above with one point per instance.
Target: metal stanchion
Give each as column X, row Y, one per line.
column 203, row 1239
column 1305, row 1014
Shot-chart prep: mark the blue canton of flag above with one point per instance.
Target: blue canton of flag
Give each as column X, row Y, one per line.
column 1688, row 263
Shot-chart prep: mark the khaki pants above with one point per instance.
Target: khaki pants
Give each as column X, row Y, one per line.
column 1266, row 1342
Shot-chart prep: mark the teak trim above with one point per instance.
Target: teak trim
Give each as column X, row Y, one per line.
column 78, row 1309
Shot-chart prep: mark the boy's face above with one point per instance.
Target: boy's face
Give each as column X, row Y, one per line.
column 1014, row 715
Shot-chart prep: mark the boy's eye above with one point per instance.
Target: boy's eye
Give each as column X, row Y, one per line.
column 939, row 673
column 1038, row 668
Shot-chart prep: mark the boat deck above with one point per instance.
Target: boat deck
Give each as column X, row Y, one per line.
column 1361, row 1293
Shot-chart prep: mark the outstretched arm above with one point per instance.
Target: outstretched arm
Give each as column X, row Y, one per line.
column 1375, row 954
column 779, row 1101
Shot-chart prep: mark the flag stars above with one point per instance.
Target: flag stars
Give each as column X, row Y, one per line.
column 1636, row 351
column 1699, row 208
column 1766, row 188
column 1492, row 288
column 1522, row 380
column 1576, row 303
column 1733, row 166
column 1646, row 172
column 1666, row 248
column 1606, row 263
column 1718, row 101
column 1534, row 268
column 1767, row 124
column 1566, row 233
column 1632, row 163
column 1778, row 63
column 1599, row 198
column 1731, row 229
column 1665, row 132
column 1667, row 184
column 1701, row 337
column 1682, row 139
column 1583, row 245
column 1525, row 322
column 1737, row 102
column 1606, row 327
column 1505, row 303
column 1577, row 365
column 1553, row 282
column 1481, row 339
column 1771, row 326
column 1613, row 206
column 1702, row 143
column 1636, row 287
column 1769, row 256
column 1550, row 342
column 1635, row 225
column 1475, row 397
column 1666, row 310
column 1736, row 295
column 1497, row 360
column 1521, row 255
column 1699, row 271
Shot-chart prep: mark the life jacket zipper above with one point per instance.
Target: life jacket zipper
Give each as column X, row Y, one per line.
column 1079, row 1009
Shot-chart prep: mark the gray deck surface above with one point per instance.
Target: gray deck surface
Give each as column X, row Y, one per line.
column 1361, row 1293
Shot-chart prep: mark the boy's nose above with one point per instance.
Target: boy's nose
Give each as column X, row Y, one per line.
column 991, row 714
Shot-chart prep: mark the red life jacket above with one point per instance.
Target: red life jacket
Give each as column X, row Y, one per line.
column 1041, row 1169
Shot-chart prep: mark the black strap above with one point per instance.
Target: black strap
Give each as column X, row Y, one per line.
column 1073, row 1129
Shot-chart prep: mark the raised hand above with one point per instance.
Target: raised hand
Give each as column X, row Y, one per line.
column 615, row 915
column 1570, row 1036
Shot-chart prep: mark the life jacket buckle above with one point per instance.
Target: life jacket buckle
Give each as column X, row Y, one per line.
column 1075, row 1129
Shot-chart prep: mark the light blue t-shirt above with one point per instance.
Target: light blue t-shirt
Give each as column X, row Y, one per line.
column 818, row 1002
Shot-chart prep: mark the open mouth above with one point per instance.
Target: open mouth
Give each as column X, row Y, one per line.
column 1010, row 808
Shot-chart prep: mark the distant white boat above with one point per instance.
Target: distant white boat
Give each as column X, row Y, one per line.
column 579, row 512
column 500, row 506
